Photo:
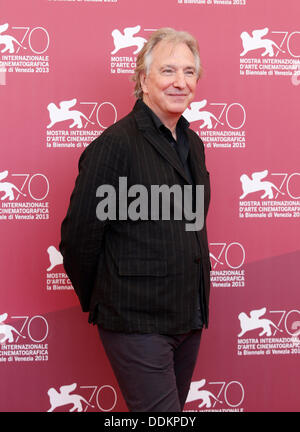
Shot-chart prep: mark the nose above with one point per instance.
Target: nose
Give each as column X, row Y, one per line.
column 179, row 80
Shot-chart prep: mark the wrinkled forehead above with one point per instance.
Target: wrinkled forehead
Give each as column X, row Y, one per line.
column 166, row 51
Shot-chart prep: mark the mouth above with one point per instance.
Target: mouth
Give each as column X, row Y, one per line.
column 177, row 94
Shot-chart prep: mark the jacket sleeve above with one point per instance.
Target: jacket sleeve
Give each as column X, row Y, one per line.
column 82, row 233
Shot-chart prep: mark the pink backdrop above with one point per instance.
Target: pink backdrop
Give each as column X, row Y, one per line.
column 53, row 52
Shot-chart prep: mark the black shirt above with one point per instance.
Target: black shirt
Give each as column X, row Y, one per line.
column 182, row 145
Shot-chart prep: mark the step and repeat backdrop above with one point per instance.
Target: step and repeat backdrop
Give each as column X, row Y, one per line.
column 65, row 76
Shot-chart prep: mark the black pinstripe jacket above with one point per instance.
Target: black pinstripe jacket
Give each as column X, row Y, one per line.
column 144, row 275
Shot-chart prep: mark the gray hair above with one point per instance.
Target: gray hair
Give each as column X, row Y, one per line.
column 167, row 34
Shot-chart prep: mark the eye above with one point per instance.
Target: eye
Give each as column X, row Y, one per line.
column 190, row 72
column 167, row 71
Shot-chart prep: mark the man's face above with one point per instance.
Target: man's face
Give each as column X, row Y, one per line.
column 171, row 82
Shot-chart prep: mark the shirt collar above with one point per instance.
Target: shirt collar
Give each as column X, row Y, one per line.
column 182, row 122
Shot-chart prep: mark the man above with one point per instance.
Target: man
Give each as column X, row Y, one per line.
column 145, row 281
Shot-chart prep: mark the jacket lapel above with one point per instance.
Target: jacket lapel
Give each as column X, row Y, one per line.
column 167, row 152
column 195, row 165
column 145, row 125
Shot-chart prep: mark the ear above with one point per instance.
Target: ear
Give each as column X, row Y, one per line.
column 143, row 81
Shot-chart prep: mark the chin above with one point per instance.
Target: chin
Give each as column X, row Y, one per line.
column 178, row 107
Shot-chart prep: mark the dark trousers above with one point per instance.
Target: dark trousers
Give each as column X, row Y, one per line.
column 154, row 371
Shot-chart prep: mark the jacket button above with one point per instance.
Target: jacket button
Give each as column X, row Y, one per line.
column 197, row 260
